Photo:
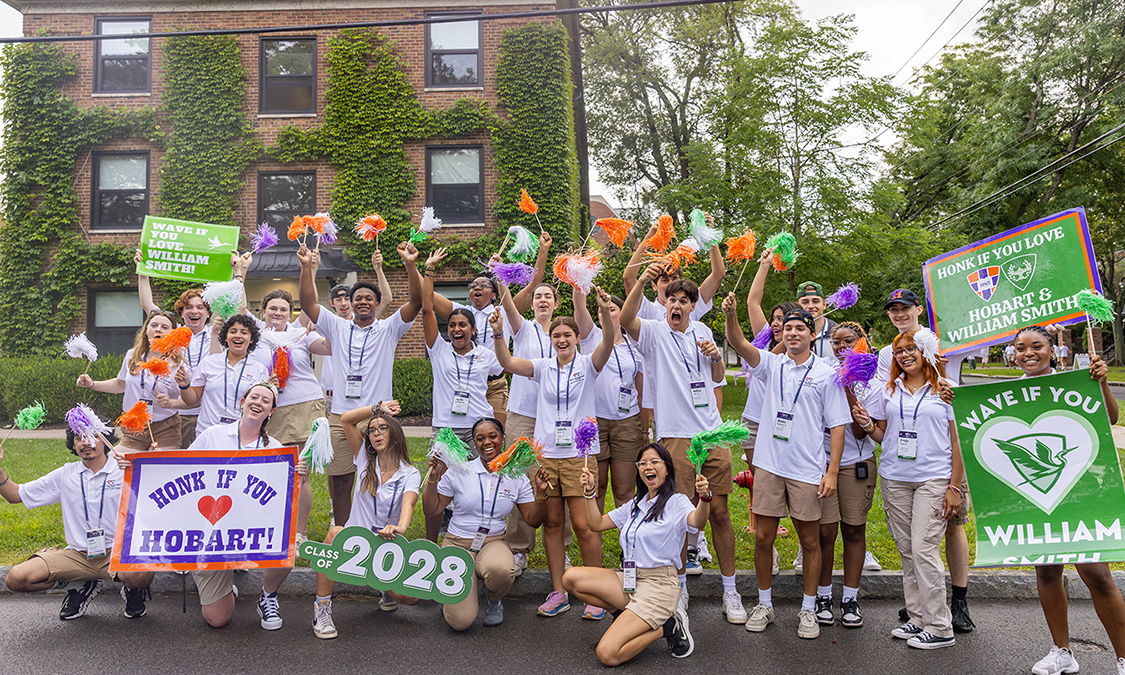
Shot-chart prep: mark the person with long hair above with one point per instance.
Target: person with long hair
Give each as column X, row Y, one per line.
column 139, row 385
column 385, row 494
column 480, row 501
column 644, row 594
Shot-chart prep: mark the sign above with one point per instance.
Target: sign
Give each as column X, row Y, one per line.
column 180, row 249
column 1043, row 470
column 1081, row 360
column 417, row 569
column 981, row 294
column 207, row 510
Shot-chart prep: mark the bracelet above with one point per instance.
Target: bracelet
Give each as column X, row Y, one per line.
column 716, row 359
column 868, row 429
column 498, row 337
column 708, row 498
column 7, row 479
column 183, row 387
column 590, row 495
column 237, row 276
column 375, row 408
column 955, row 489
column 538, row 498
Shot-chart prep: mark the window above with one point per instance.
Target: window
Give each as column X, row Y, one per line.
column 122, row 66
column 282, row 196
column 454, row 186
column 120, row 191
column 288, row 76
column 453, row 54
column 114, row 317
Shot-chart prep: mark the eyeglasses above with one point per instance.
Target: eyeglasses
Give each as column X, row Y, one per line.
column 645, row 463
column 382, row 428
column 846, row 341
column 909, row 349
column 480, row 284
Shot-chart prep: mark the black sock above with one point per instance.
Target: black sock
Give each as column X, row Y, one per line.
column 616, row 613
column 670, row 626
column 959, row 593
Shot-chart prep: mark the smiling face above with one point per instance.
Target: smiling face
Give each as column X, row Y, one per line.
column 813, row 304
column 796, row 336
column 843, row 339
column 904, row 316
column 89, row 451
column 258, row 403
column 777, row 320
column 677, row 310
column 908, row 357
column 1033, row 353
column 364, row 304
column 195, row 315
column 342, row 306
column 564, row 340
column 544, row 303
column 238, row 339
column 276, row 313
column 489, row 441
column 460, row 332
column 651, row 470
column 480, row 292
column 158, row 327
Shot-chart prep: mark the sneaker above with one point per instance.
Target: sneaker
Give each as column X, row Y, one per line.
column 823, row 612
column 906, row 631
column 926, row 640
column 268, row 609
column 760, row 617
column 323, row 627
column 684, row 598
column 387, row 603
column 676, row 632
column 807, row 626
column 1120, row 666
column 776, row 563
column 732, row 607
column 903, row 615
column 704, row 552
column 799, row 562
column 849, row 614
column 693, row 568
column 566, row 562
column 871, row 563
column 78, row 597
column 494, row 613
column 962, row 623
column 299, row 539
column 1057, row 661
column 521, row 563
column 135, row 601
column 593, row 613
column 557, row 603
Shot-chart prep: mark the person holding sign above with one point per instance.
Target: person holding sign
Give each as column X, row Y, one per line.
column 384, row 499
column 161, row 394
column 89, row 493
column 921, row 473
column 481, row 501
column 644, row 595
column 566, row 387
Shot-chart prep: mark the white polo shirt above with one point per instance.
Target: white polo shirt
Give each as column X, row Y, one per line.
column 654, row 311
column 223, row 387
column 482, row 499
column 529, row 342
column 657, row 543
column 480, row 316
column 822, row 343
column 385, row 508
column 225, row 437
column 302, row 385
column 367, row 352
column 566, row 393
column 809, row 393
column 467, row 373
column 197, row 350
column 855, row 449
column 616, row 384
column 886, row 356
column 673, row 362
column 144, row 386
column 924, row 413
column 69, row 486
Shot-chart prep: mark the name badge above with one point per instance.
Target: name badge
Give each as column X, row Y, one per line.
column 226, row 420
column 460, row 403
column 478, row 541
column 629, row 583
column 353, row 387
column 699, row 394
column 95, row 543
column 908, row 445
column 624, row 399
column 149, row 402
column 564, row 437
column 783, row 426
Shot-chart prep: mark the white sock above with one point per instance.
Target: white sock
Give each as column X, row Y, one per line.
column 850, row 593
column 808, row 602
column 728, row 583
column 682, row 578
column 765, row 597
column 824, row 591
column 325, row 598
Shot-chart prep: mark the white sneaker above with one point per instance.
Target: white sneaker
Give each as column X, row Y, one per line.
column 776, row 563
column 1057, row 661
column 299, row 539
column 704, row 553
column 1120, row 666
column 269, row 610
column 684, row 598
column 732, row 607
column 799, row 562
column 322, row 620
column 871, row 563
column 760, row 617
column 387, row 603
column 566, row 562
column 521, row 563
column 807, row 627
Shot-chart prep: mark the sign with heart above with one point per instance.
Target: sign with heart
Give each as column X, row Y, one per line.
column 1043, row 472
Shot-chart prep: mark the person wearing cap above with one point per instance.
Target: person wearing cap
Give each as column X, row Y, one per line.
column 791, row 477
column 810, row 296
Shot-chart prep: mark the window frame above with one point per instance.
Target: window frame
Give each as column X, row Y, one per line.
column 283, row 240
column 99, row 59
column 100, row 334
column 430, row 84
column 446, row 218
column 262, row 77
column 96, row 191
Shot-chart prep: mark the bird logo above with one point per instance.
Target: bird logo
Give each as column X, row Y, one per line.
column 214, row 242
column 1039, row 458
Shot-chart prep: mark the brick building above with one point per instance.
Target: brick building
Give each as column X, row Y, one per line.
column 118, row 183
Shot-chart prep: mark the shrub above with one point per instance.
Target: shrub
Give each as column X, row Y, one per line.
column 51, row 381
column 414, row 386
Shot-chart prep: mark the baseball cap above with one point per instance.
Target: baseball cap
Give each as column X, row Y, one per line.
column 809, row 288
column 800, row 315
column 902, row 295
column 339, row 290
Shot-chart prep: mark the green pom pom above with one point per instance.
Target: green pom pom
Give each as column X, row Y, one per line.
column 31, row 417
column 726, row 434
column 1098, row 310
column 226, row 306
column 450, row 449
column 417, row 236
column 784, row 246
column 523, row 459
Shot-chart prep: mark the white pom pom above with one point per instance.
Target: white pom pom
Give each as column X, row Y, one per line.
column 318, row 449
column 79, row 346
column 429, row 223
column 925, row 339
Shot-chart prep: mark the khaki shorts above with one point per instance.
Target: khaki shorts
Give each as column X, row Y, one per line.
column 497, row 397
column 772, row 494
column 166, row 432
column 966, row 505
column 518, row 425
column 852, row 499
column 343, row 462
column 566, row 476
column 291, row 424
column 187, row 430
column 620, row 440
column 748, row 444
column 213, row 585
column 717, row 469
column 66, row 564
column 657, row 594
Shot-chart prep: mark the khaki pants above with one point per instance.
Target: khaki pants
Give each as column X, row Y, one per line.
column 495, row 565
column 521, row 536
column 914, row 519
column 497, row 397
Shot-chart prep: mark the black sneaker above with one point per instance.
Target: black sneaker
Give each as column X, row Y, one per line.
column 926, row 640
column 692, row 566
column 78, row 597
column 849, row 614
column 906, row 631
column 676, row 632
column 962, row 623
column 823, row 611
column 135, row 601
column 903, row 615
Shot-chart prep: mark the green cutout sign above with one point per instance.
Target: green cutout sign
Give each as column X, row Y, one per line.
column 418, row 569
column 180, row 249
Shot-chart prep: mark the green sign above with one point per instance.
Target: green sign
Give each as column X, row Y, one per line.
column 179, row 249
column 981, row 294
column 1043, row 470
column 418, row 569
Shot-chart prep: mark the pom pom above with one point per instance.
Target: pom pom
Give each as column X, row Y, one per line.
column 135, row 419
column 318, row 449
column 784, row 250
column 451, row 450
column 615, row 228
column 416, row 236
column 762, row 339
column 429, row 223
column 928, row 343
column 31, row 417
column 262, row 238
column 858, row 367
column 1098, row 310
column 79, row 346
column 744, row 372
column 317, row 223
column 727, row 433
column 525, row 245
column 370, row 227
column 675, row 258
column 585, row 433
column 527, row 205
column 517, row 460
column 224, row 297
column 665, row 232
column 512, row 274
column 281, row 365
column 158, row 367
column 844, row 297
column 173, row 342
column 328, row 232
column 702, row 232
column 278, row 339
column 578, row 270
column 741, row 248
column 86, row 424
column 298, row 229
column 862, row 346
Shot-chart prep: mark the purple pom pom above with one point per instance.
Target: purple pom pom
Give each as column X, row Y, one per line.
column 330, row 233
column 744, row 372
column 513, row 274
column 264, row 237
column 762, row 339
column 844, row 297
column 584, row 436
column 857, row 368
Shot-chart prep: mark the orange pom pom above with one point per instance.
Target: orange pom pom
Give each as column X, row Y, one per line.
column 298, row 229
column 527, row 205
column 862, row 347
column 174, row 341
column 370, row 227
column 741, row 247
column 281, row 366
column 503, row 458
column 315, row 223
column 615, row 228
column 158, row 367
column 135, row 419
column 779, row 264
column 665, row 231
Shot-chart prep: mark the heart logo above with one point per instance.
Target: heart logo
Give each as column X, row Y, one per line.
column 1042, row 461
column 214, row 509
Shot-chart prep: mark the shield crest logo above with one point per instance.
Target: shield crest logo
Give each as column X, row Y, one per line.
column 1020, row 270
column 983, row 281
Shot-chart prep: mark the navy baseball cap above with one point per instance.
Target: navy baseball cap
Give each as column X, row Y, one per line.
column 339, row 290
column 903, row 296
column 802, row 316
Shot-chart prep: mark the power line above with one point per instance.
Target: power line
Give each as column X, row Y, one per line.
column 924, row 42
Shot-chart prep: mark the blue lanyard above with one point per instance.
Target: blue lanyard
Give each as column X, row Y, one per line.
column 394, row 496
column 558, row 386
column 781, row 382
column 539, row 337
column 362, row 349
column 620, row 370
column 257, row 441
column 202, row 340
column 480, row 479
column 683, row 356
column 630, row 550
column 101, row 505
column 902, row 413
column 226, row 367
column 457, row 362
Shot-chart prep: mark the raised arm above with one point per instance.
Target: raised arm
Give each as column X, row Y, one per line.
column 735, row 337
column 433, row 503
column 241, row 264
column 523, row 298
column 758, row 318
column 629, row 276
column 515, row 316
column 386, row 296
column 1100, row 371
column 310, row 261
column 351, row 420
column 144, row 288
column 410, row 308
column 710, row 285
column 605, row 347
column 429, row 319
column 507, row 361
column 581, row 313
column 629, row 319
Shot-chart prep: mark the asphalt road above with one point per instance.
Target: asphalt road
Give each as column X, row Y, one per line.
column 1011, row 636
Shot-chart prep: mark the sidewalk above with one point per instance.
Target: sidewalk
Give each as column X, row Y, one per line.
column 413, row 432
